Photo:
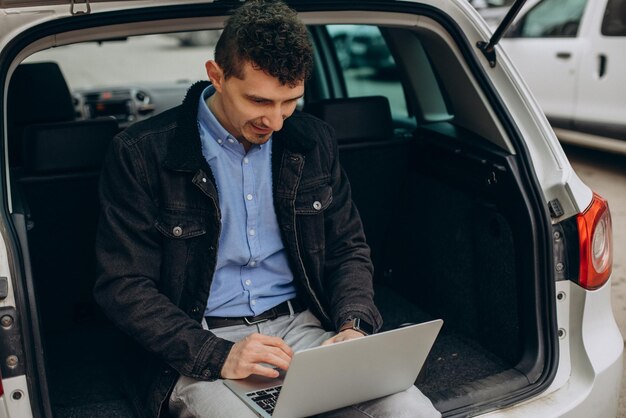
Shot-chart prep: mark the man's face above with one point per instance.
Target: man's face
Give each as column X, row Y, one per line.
column 254, row 107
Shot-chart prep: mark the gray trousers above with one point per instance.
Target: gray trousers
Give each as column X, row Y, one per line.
column 194, row 398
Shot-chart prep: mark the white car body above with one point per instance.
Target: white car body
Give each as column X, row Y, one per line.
column 578, row 80
column 590, row 348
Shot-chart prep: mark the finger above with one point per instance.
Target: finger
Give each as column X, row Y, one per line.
column 260, row 344
column 265, row 371
column 329, row 341
column 275, row 342
column 343, row 336
column 349, row 335
column 246, row 355
column 275, row 358
column 255, row 351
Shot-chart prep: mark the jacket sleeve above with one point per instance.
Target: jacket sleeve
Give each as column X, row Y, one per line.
column 348, row 268
column 128, row 253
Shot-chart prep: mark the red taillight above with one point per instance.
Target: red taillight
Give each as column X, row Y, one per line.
column 596, row 244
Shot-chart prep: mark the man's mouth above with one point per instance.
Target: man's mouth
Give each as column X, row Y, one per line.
column 261, row 130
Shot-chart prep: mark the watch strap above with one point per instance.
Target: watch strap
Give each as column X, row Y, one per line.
column 357, row 324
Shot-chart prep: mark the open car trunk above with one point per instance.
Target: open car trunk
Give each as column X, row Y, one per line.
column 453, row 231
column 450, row 239
column 456, row 246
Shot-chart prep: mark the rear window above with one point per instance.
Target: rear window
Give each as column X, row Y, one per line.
column 176, row 57
column 131, row 78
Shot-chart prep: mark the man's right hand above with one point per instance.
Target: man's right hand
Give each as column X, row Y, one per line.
column 246, row 356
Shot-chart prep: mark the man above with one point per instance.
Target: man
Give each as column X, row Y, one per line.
column 228, row 238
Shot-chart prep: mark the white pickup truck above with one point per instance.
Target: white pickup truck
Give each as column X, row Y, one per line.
column 572, row 54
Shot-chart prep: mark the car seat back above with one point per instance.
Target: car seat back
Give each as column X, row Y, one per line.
column 55, row 168
column 374, row 159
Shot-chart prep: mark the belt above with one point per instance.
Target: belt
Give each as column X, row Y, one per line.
column 277, row 311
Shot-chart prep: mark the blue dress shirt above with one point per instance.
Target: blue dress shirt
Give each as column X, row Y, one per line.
column 252, row 273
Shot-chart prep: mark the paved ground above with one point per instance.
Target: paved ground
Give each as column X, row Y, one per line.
column 606, row 174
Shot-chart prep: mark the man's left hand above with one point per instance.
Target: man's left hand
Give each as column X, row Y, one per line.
column 345, row 335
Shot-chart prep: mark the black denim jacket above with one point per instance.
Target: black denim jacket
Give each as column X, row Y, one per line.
column 158, row 235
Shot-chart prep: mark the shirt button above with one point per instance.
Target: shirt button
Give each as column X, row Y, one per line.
column 231, row 140
column 249, row 197
column 248, row 282
column 253, row 302
column 252, row 232
column 177, row 231
column 317, row 205
column 252, row 263
column 220, row 141
column 246, row 160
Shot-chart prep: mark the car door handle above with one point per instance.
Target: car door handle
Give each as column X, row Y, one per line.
column 564, row 55
column 601, row 65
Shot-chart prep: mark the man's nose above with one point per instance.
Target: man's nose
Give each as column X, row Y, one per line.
column 274, row 120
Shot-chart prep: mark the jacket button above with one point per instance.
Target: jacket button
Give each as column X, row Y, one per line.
column 195, row 310
column 317, row 205
column 177, row 231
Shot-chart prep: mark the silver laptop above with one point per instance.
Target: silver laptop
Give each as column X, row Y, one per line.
column 325, row 378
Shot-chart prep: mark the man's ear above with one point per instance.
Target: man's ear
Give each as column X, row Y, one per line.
column 215, row 73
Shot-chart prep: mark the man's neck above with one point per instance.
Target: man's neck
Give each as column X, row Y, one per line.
column 215, row 106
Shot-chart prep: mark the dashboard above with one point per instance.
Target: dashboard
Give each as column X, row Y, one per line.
column 128, row 104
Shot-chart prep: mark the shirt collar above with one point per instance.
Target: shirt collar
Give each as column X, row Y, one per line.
column 208, row 121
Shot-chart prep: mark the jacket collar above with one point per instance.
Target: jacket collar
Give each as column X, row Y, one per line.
column 184, row 151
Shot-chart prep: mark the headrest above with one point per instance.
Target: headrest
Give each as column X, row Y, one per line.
column 38, row 93
column 356, row 119
column 67, row 147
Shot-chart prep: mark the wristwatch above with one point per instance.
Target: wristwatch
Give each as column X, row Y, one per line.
column 358, row 325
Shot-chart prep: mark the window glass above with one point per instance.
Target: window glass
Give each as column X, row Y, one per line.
column 553, row 19
column 614, row 23
column 367, row 65
column 131, row 78
column 174, row 57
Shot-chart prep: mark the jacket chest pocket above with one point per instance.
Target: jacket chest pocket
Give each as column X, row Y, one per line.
column 310, row 207
column 183, row 236
column 180, row 227
column 314, row 201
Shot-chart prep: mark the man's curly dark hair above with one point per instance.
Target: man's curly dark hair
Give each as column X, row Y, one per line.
column 268, row 35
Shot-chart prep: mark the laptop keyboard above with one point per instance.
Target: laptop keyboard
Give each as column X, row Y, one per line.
column 266, row 398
